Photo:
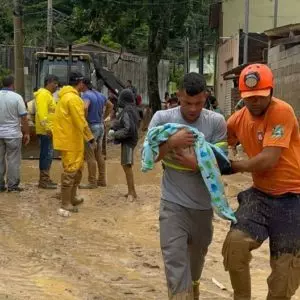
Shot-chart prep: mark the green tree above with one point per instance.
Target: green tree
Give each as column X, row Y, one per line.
column 143, row 26
column 152, row 27
column 6, row 25
column 3, row 72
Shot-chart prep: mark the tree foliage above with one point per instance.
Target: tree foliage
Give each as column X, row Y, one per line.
column 3, row 72
column 152, row 27
column 6, row 26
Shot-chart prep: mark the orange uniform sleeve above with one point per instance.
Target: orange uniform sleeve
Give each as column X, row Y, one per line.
column 280, row 128
column 231, row 130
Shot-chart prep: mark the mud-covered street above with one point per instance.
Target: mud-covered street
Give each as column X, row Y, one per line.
column 109, row 250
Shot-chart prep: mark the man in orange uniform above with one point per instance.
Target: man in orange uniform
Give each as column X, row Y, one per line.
column 69, row 132
column 268, row 130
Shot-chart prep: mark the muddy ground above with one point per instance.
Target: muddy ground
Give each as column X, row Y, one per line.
column 109, row 250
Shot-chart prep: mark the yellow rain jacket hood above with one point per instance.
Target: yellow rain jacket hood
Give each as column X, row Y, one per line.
column 44, row 111
column 70, row 126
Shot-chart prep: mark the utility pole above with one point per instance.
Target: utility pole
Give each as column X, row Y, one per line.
column 275, row 13
column 50, row 26
column 201, row 51
column 186, row 55
column 246, row 32
column 18, row 47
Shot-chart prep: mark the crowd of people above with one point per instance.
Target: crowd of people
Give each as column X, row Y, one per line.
column 265, row 126
column 75, row 126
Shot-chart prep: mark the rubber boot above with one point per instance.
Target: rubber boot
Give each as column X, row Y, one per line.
column 196, row 290
column 241, row 282
column 50, row 180
column 130, row 182
column 238, row 264
column 285, row 277
column 102, row 174
column 45, row 182
column 67, row 185
column 75, row 200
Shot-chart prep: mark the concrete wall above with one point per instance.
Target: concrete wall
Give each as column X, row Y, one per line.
column 286, row 67
column 228, row 58
column 261, row 15
column 134, row 68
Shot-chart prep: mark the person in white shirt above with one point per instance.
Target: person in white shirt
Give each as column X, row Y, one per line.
column 13, row 114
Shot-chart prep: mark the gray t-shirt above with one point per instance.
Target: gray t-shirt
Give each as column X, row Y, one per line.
column 183, row 187
column 12, row 108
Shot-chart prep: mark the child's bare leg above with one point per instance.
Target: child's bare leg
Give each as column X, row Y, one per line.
column 130, row 181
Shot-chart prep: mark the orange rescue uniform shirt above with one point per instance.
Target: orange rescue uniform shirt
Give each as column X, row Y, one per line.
column 277, row 128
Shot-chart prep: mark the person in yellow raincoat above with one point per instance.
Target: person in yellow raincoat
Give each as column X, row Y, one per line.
column 44, row 114
column 70, row 130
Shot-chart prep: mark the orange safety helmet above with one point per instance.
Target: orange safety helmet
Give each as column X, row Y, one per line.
column 256, row 80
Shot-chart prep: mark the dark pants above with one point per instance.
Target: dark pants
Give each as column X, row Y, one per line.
column 262, row 216
column 46, row 152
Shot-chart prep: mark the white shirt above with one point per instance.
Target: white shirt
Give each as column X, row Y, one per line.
column 12, row 108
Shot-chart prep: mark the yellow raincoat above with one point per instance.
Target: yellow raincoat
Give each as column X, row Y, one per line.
column 70, row 129
column 44, row 111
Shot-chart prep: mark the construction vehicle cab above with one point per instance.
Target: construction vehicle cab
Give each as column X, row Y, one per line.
column 59, row 64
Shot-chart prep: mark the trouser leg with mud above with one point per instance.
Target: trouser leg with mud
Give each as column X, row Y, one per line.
column 104, row 143
column 95, row 159
column 261, row 216
column 185, row 235
column 2, row 165
column 90, row 157
column 101, row 163
column 71, row 177
column 46, row 156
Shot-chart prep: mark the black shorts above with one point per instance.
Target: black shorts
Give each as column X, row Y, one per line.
column 277, row 218
column 126, row 154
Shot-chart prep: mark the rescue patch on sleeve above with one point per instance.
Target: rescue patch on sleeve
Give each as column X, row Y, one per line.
column 278, row 131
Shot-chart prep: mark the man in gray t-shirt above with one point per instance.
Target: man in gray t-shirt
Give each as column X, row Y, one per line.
column 186, row 213
column 13, row 114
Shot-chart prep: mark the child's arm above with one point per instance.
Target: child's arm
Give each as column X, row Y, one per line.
column 124, row 132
